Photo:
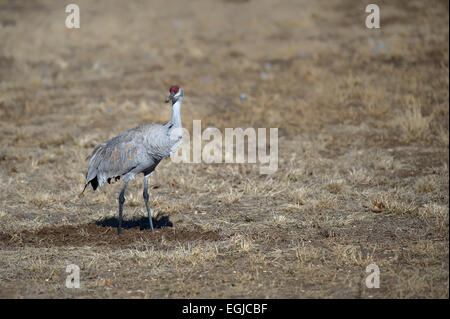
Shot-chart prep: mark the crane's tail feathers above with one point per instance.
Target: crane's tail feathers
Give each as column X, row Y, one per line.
column 94, row 152
column 94, row 184
column 82, row 193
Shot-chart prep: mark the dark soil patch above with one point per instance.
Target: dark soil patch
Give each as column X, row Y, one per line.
column 103, row 236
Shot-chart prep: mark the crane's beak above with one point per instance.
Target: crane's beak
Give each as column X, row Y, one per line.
column 170, row 97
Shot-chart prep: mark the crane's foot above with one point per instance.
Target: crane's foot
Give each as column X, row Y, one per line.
column 151, row 224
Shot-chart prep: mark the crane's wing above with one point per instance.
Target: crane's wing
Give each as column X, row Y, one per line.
column 116, row 157
column 138, row 149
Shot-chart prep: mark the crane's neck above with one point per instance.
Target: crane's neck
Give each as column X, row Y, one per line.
column 176, row 117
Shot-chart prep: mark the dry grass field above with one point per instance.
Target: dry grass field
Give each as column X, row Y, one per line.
column 363, row 149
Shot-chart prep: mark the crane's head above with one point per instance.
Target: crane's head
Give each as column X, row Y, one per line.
column 175, row 93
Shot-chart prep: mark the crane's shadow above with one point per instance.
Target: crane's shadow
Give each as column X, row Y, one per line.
column 142, row 223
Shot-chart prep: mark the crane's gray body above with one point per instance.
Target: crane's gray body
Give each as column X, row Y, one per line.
column 135, row 151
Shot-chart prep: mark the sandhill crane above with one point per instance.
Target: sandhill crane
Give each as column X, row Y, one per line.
column 135, row 151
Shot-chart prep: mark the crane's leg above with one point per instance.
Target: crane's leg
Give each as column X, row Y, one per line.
column 121, row 201
column 146, row 201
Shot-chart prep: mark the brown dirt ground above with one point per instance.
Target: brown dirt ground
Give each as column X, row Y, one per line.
column 363, row 149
